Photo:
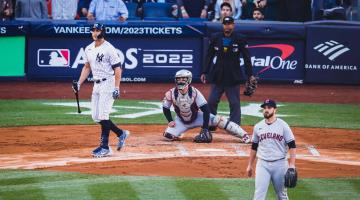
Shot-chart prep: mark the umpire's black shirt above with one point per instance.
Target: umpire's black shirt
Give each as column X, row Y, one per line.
column 226, row 71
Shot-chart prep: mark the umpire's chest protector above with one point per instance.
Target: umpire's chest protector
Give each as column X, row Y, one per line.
column 226, row 69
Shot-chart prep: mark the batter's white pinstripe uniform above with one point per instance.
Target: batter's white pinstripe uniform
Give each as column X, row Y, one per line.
column 101, row 60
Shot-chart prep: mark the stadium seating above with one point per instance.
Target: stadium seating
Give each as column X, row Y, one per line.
column 132, row 7
column 157, row 10
column 193, row 19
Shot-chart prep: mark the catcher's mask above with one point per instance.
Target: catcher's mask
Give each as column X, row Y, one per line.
column 183, row 79
column 100, row 27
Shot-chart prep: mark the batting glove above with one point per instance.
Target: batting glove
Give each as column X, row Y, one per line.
column 76, row 87
column 116, row 93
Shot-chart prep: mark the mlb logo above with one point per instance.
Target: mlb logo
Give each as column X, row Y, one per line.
column 53, row 57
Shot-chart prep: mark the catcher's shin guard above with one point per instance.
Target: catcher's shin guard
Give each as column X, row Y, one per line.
column 229, row 126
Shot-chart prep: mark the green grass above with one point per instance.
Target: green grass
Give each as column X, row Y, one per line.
column 20, row 184
column 35, row 112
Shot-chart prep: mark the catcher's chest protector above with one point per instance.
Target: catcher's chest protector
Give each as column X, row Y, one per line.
column 185, row 105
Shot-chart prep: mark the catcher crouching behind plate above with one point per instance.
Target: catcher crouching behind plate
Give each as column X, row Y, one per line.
column 192, row 111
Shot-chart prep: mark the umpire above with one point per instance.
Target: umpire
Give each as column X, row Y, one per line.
column 225, row 75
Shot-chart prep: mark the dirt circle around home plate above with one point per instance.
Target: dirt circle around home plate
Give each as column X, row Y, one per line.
column 321, row 152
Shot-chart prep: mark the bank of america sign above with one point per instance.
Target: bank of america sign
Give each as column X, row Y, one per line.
column 331, row 49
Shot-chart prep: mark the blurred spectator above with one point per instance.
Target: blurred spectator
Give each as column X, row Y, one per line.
column 83, row 8
column 226, row 11
column 108, row 10
column 235, row 6
column 247, row 9
column 6, row 10
column 140, row 7
column 63, row 9
column 140, row 11
column 272, row 8
column 258, row 14
column 48, row 5
column 174, row 7
column 331, row 9
column 297, row 11
column 191, row 8
column 36, row 9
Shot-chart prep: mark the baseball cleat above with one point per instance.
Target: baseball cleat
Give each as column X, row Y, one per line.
column 122, row 139
column 100, row 152
column 246, row 139
column 170, row 137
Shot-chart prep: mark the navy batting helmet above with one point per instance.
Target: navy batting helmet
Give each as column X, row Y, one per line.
column 99, row 27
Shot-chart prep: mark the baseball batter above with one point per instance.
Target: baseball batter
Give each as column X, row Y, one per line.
column 272, row 137
column 192, row 111
column 103, row 61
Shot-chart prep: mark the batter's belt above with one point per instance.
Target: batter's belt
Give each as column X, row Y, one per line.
column 99, row 80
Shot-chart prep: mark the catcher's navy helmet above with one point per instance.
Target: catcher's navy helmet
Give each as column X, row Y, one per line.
column 100, row 27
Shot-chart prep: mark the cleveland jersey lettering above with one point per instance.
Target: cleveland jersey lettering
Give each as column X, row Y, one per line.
column 272, row 139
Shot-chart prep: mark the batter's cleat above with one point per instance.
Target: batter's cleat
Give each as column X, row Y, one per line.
column 122, row 139
column 246, row 139
column 101, row 152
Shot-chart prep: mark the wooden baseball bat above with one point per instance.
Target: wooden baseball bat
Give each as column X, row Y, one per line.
column 76, row 95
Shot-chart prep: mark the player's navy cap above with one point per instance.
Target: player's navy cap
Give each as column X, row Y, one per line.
column 269, row 102
column 98, row 26
column 228, row 20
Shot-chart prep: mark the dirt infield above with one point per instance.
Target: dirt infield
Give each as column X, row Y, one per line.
column 321, row 152
column 68, row 148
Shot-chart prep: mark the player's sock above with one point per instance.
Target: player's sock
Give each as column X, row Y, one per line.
column 105, row 132
column 115, row 129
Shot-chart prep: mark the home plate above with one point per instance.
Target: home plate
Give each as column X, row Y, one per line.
column 211, row 150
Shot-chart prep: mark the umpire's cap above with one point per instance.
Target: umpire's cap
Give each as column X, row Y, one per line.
column 269, row 102
column 228, row 20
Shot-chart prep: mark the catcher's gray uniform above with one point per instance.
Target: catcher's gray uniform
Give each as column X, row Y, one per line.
column 187, row 111
column 189, row 116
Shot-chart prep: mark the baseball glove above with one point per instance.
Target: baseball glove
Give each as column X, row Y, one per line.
column 250, row 86
column 290, row 178
column 204, row 136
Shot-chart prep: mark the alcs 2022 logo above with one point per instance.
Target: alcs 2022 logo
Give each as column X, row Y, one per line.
column 149, row 58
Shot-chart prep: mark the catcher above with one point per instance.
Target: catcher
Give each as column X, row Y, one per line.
column 187, row 101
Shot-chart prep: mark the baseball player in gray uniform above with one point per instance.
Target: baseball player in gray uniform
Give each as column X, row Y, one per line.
column 271, row 140
column 104, row 63
column 192, row 111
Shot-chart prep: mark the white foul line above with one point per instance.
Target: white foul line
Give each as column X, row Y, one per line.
column 182, row 150
column 238, row 151
column 313, row 150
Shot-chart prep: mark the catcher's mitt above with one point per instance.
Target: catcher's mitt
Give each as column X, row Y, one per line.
column 290, row 178
column 250, row 86
column 204, row 136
